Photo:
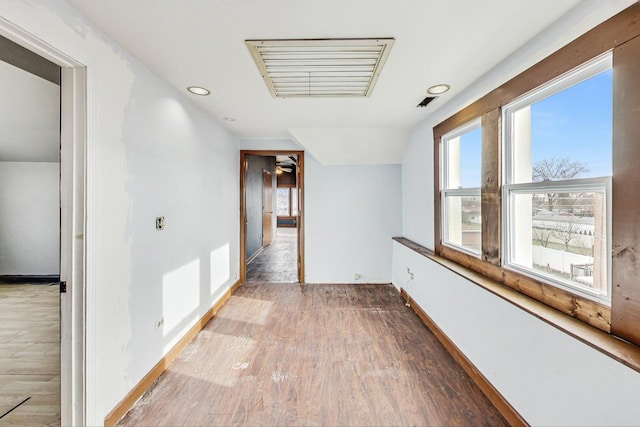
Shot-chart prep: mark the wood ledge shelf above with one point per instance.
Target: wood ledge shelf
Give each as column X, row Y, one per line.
column 622, row 351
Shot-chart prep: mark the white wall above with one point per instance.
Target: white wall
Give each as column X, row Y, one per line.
column 29, row 218
column 549, row 377
column 351, row 214
column 182, row 166
column 151, row 153
column 417, row 187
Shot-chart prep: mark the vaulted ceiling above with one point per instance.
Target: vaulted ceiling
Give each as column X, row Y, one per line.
column 202, row 42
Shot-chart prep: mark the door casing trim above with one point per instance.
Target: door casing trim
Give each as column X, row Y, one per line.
column 243, row 213
column 73, row 221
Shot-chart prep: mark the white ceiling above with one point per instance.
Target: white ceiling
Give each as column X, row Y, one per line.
column 29, row 117
column 201, row 42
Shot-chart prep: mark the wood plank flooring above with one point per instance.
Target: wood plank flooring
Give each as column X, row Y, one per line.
column 296, row 355
column 29, row 355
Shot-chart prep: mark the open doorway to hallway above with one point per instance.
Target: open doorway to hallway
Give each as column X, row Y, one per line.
column 30, row 380
column 272, row 216
column 32, row 54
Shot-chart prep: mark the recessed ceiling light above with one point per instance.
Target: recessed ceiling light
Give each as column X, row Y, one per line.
column 197, row 90
column 438, row 89
column 229, row 119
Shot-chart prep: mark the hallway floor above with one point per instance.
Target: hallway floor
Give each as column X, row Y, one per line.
column 277, row 262
column 331, row 355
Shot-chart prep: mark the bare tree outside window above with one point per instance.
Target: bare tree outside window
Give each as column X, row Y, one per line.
column 567, row 232
column 542, row 235
column 556, row 169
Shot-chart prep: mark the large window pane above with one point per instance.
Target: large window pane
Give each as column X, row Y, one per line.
column 558, row 149
column 463, row 222
column 566, row 134
column 282, row 206
column 464, row 159
column 462, row 165
column 561, row 235
column 575, row 128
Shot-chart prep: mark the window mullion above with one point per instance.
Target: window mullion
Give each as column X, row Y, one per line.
column 490, row 192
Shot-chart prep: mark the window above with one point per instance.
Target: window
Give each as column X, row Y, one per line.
column 282, row 202
column 558, row 166
column 287, row 202
column 559, row 182
column 461, row 207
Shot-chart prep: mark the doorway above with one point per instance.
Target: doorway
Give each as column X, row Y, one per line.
column 272, row 243
column 32, row 54
column 29, row 238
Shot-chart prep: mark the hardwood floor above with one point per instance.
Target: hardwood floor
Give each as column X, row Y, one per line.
column 278, row 261
column 295, row 355
column 29, row 355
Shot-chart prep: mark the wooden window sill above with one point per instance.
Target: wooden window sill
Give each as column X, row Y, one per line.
column 614, row 347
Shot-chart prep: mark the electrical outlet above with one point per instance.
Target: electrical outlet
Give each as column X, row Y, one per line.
column 356, row 276
column 159, row 223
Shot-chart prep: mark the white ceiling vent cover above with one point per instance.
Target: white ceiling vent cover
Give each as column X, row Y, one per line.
column 320, row 67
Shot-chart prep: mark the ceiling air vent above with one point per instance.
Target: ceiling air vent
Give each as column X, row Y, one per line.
column 320, row 67
column 426, row 101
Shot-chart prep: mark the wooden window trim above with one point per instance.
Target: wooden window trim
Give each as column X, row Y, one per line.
column 625, row 240
column 624, row 315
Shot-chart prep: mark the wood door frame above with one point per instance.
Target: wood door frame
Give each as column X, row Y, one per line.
column 264, row 201
column 73, row 221
column 243, row 213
